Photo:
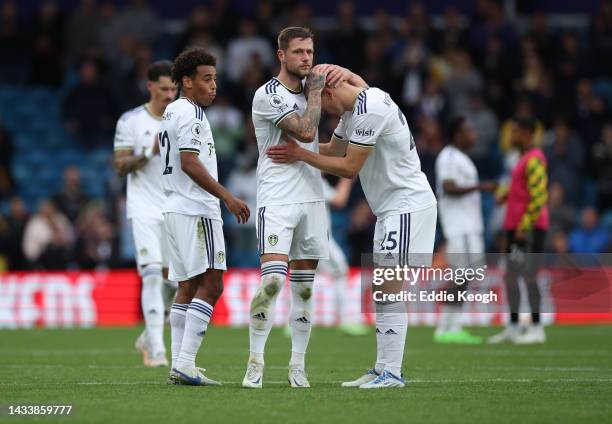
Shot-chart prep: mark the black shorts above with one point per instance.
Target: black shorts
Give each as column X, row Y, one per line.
column 524, row 255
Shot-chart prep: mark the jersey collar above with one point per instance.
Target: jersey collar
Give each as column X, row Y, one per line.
column 288, row 89
column 154, row 116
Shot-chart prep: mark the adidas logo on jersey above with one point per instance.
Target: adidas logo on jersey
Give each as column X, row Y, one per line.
column 378, row 331
column 295, row 106
column 390, row 332
column 260, row 316
column 201, row 333
column 303, row 320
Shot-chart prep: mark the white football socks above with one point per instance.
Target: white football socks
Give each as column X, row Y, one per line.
column 177, row 328
column 169, row 289
column 263, row 305
column 153, row 307
column 450, row 319
column 300, row 317
column 391, row 328
column 196, row 324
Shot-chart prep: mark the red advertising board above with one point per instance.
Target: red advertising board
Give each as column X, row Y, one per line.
column 86, row 299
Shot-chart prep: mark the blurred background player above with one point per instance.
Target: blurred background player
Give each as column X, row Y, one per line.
column 192, row 211
column 526, row 223
column 137, row 156
column 460, row 210
column 337, row 265
column 291, row 217
column 374, row 140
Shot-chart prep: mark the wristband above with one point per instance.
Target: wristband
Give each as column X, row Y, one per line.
column 148, row 153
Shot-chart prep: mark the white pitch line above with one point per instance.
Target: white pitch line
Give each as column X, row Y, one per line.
column 283, row 382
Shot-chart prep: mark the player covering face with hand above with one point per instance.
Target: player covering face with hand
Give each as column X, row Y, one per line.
column 374, row 141
column 291, row 213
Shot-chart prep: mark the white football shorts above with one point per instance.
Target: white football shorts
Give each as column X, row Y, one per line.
column 195, row 245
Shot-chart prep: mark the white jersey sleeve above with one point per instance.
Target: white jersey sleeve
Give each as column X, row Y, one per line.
column 124, row 137
column 135, row 132
column 447, row 168
column 192, row 132
column 272, row 106
column 367, row 125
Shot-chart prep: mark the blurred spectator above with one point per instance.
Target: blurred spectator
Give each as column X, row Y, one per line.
column 198, row 23
column 601, row 39
column 242, row 182
column 572, row 63
column 12, row 234
column 12, row 42
column 565, row 159
column 300, row 15
column 376, row 66
column 411, row 67
column 463, row 80
column 71, row 200
column 562, row 215
column 543, row 38
column 346, row 33
column 83, row 29
column 138, row 20
column 433, row 102
column 560, row 243
column 242, row 49
column 590, row 112
column 453, row 35
column 266, row 21
column 131, row 87
column 485, row 125
column 602, row 164
column 88, row 108
column 95, row 247
column 226, row 123
column 590, row 237
column 6, row 157
column 224, row 20
column 46, row 66
column 490, row 21
column 48, row 238
column 418, row 21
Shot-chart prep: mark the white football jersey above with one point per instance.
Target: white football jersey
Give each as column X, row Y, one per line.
column 136, row 130
column 391, row 177
column 282, row 184
column 458, row 214
column 185, row 129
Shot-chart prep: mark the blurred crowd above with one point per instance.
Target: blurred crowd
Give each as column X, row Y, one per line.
column 484, row 66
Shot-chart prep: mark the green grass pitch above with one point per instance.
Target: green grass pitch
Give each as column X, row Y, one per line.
column 569, row 379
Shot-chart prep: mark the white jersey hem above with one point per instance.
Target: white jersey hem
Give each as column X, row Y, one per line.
column 403, row 211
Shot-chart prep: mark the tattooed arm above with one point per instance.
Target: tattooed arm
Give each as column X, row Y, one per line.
column 125, row 161
column 304, row 128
